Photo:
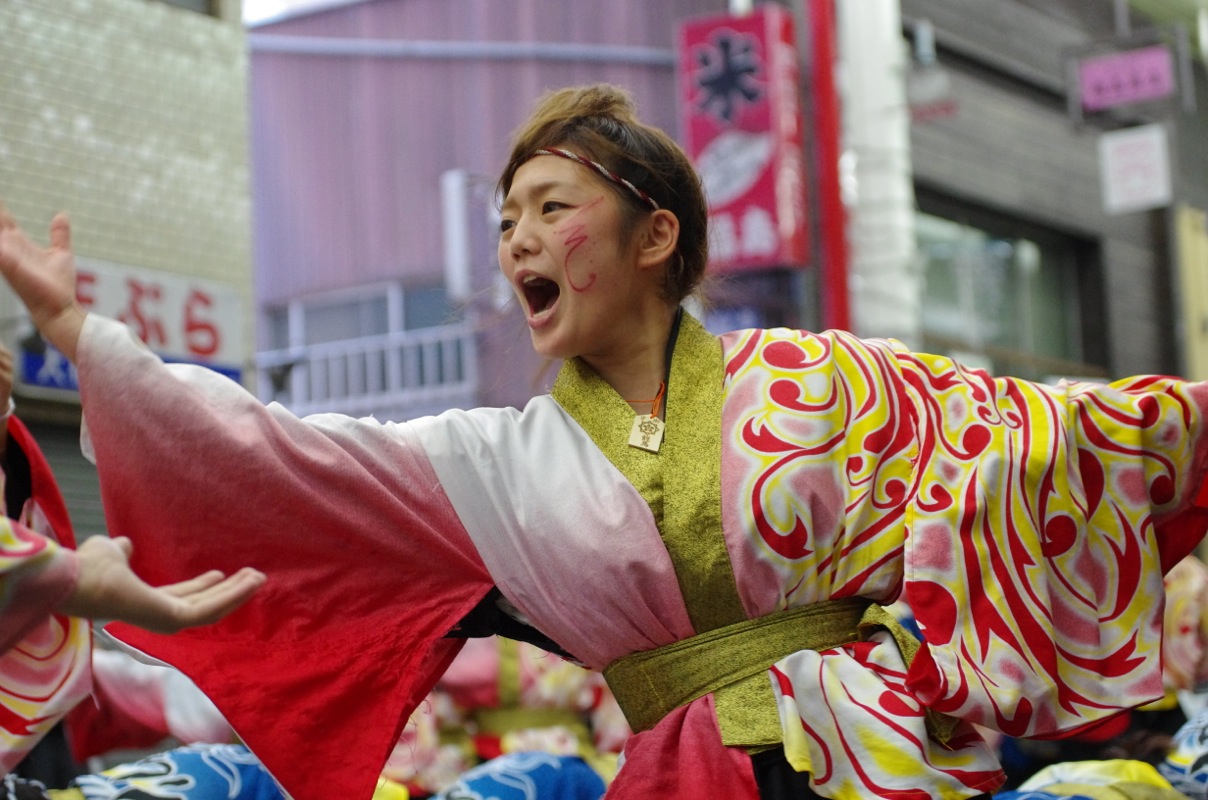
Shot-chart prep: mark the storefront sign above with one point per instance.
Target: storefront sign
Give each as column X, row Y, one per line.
column 181, row 318
column 1134, row 168
column 1138, row 75
column 740, row 107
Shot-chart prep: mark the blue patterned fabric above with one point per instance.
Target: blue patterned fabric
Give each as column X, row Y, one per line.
column 528, row 776
column 1186, row 767
column 194, row 772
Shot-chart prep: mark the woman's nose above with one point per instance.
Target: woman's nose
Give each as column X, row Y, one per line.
column 523, row 240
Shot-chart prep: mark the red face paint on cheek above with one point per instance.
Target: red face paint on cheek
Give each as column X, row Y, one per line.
column 575, row 236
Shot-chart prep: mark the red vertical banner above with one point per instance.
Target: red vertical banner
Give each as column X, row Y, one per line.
column 740, row 98
column 835, row 305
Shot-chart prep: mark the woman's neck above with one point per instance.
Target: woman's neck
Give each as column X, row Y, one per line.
column 638, row 367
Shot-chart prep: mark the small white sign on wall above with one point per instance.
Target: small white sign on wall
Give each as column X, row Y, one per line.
column 1134, row 169
column 182, row 318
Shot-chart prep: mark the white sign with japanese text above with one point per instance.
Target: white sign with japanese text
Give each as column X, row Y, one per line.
column 182, row 318
column 1134, row 168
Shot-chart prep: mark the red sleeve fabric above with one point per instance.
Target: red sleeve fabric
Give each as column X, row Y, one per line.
column 368, row 566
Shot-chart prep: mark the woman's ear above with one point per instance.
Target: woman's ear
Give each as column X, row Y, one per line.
column 659, row 238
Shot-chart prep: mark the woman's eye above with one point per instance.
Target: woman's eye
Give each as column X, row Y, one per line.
column 506, row 225
column 550, row 206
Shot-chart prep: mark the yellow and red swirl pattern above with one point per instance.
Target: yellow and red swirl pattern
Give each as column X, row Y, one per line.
column 1026, row 525
column 48, row 670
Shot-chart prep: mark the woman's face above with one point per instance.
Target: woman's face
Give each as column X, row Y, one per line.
column 561, row 249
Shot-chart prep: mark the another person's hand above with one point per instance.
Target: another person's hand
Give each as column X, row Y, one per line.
column 108, row 589
column 44, row 279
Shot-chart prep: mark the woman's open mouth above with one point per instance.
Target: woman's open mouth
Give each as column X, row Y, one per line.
column 540, row 294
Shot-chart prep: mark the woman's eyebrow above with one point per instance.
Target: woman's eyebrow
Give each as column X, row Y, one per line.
column 535, row 190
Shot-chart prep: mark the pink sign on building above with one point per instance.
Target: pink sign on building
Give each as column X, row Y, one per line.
column 1130, row 76
column 741, row 118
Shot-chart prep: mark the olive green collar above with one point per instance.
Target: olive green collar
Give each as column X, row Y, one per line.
column 682, row 482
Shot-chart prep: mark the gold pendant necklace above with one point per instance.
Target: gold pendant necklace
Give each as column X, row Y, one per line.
column 647, row 431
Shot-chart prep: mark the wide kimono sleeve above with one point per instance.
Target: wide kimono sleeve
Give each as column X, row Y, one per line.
column 44, row 657
column 1040, row 522
column 368, row 565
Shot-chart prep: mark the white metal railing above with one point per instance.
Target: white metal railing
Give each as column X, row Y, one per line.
column 391, row 376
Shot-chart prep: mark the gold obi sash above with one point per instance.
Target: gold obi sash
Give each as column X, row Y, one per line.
column 499, row 721
column 732, row 663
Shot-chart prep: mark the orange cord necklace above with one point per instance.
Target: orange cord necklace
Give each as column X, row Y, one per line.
column 656, row 403
column 647, row 431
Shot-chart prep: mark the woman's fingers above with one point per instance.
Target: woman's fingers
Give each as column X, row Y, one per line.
column 60, row 232
column 215, row 601
column 194, row 585
column 108, row 589
column 44, row 279
column 124, row 544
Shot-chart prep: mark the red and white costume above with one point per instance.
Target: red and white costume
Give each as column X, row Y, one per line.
column 1027, row 526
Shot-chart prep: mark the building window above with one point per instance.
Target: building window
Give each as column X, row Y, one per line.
column 358, row 313
column 1008, row 296
column 387, row 350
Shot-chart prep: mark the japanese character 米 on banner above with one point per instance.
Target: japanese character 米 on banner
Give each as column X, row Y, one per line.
column 740, row 107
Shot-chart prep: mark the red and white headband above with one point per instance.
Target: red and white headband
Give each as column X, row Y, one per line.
column 602, row 170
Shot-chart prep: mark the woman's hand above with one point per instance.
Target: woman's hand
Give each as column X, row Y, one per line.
column 44, row 279
column 108, row 589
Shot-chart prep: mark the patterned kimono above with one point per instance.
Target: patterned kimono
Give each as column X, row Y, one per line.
column 1185, row 628
column 44, row 657
column 1027, row 526
column 503, row 696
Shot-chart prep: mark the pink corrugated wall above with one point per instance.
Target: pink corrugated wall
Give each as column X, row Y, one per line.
column 347, row 152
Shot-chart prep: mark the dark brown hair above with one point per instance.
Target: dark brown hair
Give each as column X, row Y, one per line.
column 600, row 123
